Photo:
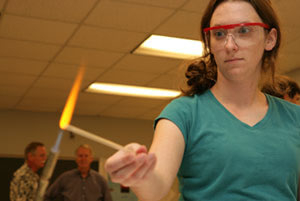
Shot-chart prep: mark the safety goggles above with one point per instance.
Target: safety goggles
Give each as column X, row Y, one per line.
column 242, row 34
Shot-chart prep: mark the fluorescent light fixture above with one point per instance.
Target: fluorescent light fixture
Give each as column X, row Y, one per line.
column 129, row 90
column 165, row 46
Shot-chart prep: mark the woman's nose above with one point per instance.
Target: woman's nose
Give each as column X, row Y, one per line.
column 230, row 42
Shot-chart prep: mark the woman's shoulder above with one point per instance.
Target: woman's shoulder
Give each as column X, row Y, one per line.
column 183, row 108
column 283, row 103
column 192, row 99
column 284, row 107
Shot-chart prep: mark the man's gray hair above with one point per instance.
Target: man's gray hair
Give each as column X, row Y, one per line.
column 86, row 146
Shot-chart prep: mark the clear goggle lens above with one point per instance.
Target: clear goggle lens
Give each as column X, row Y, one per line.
column 240, row 33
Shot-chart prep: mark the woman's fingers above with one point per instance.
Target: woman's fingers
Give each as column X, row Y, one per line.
column 124, row 157
column 122, row 174
column 142, row 171
column 129, row 165
column 119, row 160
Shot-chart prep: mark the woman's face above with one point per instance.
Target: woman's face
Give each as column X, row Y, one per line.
column 238, row 57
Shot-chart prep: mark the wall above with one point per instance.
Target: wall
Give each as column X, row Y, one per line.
column 295, row 74
column 18, row 128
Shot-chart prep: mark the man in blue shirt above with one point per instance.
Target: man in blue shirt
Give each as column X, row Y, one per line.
column 81, row 184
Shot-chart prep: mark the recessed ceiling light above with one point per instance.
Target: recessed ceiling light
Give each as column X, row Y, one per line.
column 165, row 46
column 129, row 90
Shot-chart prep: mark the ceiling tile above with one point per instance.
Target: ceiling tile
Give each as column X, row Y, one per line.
column 8, row 102
column 88, row 57
column 126, row 77
column 196, row 6
column 60, row 84
column 126, row 16
column 23, row 28
column 69, row 71
column 66, row 10
column 180, row 70
column 87, row 109
column 147, row 64
column 40, row 104
column 46, row 93
column 107, row 39
column 54, row 83
column 160, row 3
column 96, row 99
column 12, row 90
column 22, row 66
column 94, row 106
column 165, row 81
column 123, row 112
column 183, row 24
column 16, row 80
column 27, row 50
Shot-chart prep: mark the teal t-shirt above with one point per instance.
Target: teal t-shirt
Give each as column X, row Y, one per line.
column 228, row 160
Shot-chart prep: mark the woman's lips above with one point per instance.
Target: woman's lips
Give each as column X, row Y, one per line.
column 233, row 60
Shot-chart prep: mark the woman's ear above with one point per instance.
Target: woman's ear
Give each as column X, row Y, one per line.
column 271, row 39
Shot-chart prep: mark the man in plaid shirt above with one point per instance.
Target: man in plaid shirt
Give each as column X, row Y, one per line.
column 24, row 184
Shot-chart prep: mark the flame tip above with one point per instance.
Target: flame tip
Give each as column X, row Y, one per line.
column 71, row 101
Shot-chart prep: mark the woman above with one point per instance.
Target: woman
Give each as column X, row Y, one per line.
column 224, row 139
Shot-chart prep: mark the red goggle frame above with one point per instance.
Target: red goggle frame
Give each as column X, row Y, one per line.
column 231, row 26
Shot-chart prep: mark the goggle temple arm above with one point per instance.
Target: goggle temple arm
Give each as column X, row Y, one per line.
column 231, row 26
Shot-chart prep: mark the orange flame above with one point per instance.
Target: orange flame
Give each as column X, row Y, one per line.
column 71, row 101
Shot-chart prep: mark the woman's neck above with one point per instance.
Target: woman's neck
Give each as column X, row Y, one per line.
column 239, row 93
column 245, row 101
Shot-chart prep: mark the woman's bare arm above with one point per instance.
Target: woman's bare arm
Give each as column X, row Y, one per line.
column 150, row 175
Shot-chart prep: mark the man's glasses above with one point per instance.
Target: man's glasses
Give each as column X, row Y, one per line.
column 242, row 34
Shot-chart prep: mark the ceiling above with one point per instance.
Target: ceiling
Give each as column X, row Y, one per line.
column 42, row 44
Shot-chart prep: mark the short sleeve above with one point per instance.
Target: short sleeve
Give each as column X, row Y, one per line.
column 179, row 112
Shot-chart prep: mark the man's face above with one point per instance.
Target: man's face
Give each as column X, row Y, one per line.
column 83, row 158
column 39, row 157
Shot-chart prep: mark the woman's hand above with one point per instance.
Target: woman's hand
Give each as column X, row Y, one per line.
column 130, row 165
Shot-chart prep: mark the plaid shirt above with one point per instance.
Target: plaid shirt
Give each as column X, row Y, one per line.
column 23, row 186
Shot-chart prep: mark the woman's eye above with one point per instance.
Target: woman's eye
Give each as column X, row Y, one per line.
column 219, row 33
column 244, row 30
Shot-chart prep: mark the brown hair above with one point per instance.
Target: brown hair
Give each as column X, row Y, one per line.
column 202, row 73
column 282, row 85
column 31, row 148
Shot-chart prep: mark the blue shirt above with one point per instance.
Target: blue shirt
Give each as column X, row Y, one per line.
column 70, row 186
column 228, row 160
